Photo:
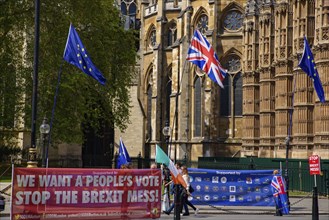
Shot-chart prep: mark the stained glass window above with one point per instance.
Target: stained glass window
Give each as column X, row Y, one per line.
column 233, row 20
column 152, row 38
column 225, row 97
column 232, row 64
column 237, row 83
column 128, row 14
column 202, row 24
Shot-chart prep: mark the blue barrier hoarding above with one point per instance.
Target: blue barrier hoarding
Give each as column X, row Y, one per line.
column 231, row 187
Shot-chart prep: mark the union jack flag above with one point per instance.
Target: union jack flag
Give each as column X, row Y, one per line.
column 278, row 185
column 280, row 194
column 202, row 54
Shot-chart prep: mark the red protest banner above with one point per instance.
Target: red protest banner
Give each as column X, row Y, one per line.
column 52, row 193
column 314, row 163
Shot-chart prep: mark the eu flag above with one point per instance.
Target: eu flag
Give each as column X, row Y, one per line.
column 280, row 196
column 308, row 66
column 123, row 158
column 76, row 54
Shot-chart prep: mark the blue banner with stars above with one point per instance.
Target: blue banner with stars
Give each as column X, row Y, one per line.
column 231, row 187
column 76, row 54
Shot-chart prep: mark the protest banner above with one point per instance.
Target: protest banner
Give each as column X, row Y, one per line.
column 315, row 165
column 57, row 193
column 231, row 187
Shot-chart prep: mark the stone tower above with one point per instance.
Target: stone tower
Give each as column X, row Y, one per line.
column 268, row 103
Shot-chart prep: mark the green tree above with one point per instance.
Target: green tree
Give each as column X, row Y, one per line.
column 81, row 99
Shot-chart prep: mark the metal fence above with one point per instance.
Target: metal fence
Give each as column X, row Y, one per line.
column 297, row 169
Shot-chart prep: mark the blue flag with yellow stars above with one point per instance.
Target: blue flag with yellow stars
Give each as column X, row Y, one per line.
column 123, row 158
column 308, row 66
column 76, row 54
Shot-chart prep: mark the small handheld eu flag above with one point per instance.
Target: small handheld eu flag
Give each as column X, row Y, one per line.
column 124, row 158
column 76, row 54
column 308, row 66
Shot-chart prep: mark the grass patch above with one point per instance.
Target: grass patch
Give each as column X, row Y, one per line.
column 5, row 179
column 299, row 193
column 5, row 173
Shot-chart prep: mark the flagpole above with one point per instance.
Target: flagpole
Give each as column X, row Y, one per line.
column 287, row 141
column 53, row 109
column 176, row 111
column 176, row 105
column 177, row 198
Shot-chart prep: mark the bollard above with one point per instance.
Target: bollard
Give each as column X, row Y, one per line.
column 177, row 203
column 278, row 212
column 116, row 155
column 315, row 206
column 139, row 161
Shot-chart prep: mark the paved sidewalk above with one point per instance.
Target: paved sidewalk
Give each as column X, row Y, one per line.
column 303, row 207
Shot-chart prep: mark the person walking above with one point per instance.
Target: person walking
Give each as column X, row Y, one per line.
column 173, row 190
column 166, row 187
column 185, row 201
column 153, row 166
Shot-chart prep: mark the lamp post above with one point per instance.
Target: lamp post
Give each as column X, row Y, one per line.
column 44, row 131
column 166, row 131
column 32, row 150
column 286, row 175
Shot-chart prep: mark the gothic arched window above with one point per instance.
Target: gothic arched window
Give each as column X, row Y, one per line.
column 233, row 20
column 128, row 12
column 197, row 99
column 237, row 83
column 202, row 23
column 151, row 41
column 225, row 97
column 168, row 94
column 172, row 33
column 149, row 106
column 233, row 64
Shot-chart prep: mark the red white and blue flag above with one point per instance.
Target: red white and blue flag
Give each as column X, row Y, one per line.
column 278, row 185
column 202, row 54
column 280, row 194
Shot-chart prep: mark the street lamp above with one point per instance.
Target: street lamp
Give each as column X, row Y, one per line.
column 44, row 131
column 286, row 175
column 32, row 156
column 166, row 131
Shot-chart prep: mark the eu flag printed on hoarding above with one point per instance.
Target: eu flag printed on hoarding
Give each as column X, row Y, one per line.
column 231, row 187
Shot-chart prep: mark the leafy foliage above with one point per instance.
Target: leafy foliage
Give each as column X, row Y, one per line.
column 81, row 100
column 6, row 152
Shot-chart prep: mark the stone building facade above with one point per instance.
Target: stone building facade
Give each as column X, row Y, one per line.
column 268, row 102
